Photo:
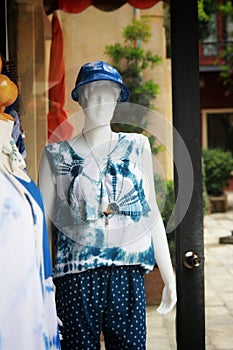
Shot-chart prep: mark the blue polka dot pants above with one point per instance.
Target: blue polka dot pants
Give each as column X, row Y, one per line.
column 107, row 299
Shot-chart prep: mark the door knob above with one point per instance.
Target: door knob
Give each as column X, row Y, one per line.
column 191, row 260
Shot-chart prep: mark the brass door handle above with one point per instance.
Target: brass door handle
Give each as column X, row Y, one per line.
column 191, row 260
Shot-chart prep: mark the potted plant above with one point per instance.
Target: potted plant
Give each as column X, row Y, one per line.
column 218, row 165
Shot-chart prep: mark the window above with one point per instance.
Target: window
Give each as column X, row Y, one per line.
column 217, row 129
column 210, row 42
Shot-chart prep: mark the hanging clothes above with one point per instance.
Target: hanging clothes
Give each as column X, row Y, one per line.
column 47, row 282
column 59, row 127
column 26, row 297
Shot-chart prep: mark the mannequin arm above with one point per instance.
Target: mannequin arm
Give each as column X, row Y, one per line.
column 161, row 249
column 163, row 260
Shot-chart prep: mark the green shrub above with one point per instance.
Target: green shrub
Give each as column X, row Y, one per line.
column 218, row 165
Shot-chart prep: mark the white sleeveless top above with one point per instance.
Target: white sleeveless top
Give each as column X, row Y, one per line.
column 83, row 193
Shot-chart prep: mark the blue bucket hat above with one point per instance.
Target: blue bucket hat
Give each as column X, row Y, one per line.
column 99, row 70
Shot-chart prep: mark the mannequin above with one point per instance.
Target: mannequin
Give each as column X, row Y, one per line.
column 27, row 294
column 98, row 151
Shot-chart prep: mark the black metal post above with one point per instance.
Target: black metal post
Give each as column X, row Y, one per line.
column 186, row 120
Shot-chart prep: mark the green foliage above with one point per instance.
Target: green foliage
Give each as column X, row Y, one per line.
column 218, row 166
column 139, row 30
column 207, row 23
column 155, row 148
column 206, row 10
column 227, row 9
column 144, row 93
column 226, row 59
column 226, row 55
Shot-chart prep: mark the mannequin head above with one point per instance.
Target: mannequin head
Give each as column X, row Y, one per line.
column 98, row 100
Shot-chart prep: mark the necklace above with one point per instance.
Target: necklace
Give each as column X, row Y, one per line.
column 112, row 207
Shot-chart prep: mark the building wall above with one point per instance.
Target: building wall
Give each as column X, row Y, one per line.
column 213, row 94
column 214, row 99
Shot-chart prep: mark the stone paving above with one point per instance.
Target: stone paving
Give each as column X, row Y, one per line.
column 219, row 280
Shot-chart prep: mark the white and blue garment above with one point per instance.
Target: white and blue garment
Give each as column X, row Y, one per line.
column 83, row 192
column 52, row 333
column 23, row 318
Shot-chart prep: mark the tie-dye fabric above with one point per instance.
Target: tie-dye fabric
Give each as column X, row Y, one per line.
column 24, row 322
column 83, row 193
column 52, row 333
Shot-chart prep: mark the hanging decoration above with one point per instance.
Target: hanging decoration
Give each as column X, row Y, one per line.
column 59, row 127
column 76, row 6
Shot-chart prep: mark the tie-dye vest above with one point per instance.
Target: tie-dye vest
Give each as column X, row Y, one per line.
column 83, row 192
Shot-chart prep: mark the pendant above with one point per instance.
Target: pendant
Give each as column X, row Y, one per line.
column 112, row 209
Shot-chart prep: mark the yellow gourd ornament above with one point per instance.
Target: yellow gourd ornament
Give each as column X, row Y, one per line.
column 8, row 94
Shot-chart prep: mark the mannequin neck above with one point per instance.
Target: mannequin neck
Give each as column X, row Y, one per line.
column 98, row 134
